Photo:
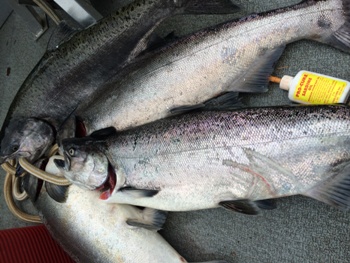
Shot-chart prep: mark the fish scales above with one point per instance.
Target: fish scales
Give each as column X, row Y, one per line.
column 75, row 71
column 198, row 160
column 110, row 239
column 220, row 151
column 61, row 73
column 206, row 64
column 199, row 67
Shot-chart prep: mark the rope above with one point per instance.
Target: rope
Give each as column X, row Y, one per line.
column 11, row 203
column 16, row 192
column 42, row 174
column 12, row 189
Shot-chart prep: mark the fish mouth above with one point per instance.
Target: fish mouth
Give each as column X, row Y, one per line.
column 80, row 128
column 107, row 188
column 4, row 158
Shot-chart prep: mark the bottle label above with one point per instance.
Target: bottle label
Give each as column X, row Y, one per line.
column 315, row 89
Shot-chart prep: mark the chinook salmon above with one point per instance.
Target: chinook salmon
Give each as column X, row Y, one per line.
column 236, row 56
column 220, row 159
column 73, row 72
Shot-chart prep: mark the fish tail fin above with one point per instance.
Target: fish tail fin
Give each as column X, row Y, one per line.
column 209, row 7
column 335, row 191
column 341, row 37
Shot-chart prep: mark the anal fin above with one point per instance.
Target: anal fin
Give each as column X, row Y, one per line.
column 244, row 206
column 60, row 35
column 226, row 101
column 152, row 219
column 256, row 79
column 187, row 108
column 267, row 204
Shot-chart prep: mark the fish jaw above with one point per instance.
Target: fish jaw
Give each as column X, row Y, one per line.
column 26, row 137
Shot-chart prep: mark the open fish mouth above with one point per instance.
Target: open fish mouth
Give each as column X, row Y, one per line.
column 108, row 186
column 80, row 128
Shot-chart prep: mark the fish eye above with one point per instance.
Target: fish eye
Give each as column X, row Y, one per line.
column 15, row 148
column 71, row 152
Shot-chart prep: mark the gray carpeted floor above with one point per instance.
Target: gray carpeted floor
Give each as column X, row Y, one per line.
column 299, row 230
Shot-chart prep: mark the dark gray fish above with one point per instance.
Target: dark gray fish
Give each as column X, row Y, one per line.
column 228, row 159
column 70, row 74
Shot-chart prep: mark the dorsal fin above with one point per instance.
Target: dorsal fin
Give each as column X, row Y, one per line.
column 60, row 35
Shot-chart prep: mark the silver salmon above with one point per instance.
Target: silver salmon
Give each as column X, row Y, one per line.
column 94, row 232
column 220, row 159
column 234, row 56
column 73, row 72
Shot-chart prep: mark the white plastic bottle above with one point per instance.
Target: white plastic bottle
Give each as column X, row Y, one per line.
column 314, row 88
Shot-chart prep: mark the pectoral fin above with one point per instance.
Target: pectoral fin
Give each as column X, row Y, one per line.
column 57, row 192
column 32, row 185
column 103, row 133
column 152, row 219
column 138, row 193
